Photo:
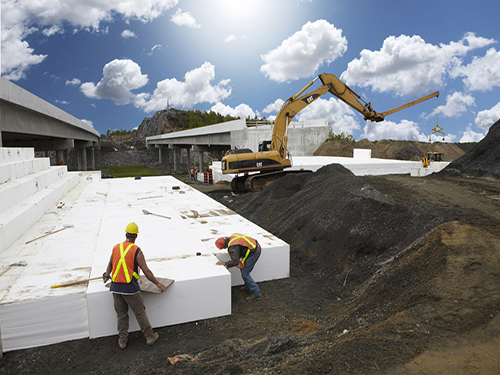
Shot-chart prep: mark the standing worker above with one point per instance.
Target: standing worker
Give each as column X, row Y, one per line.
column 123, row 270
column 244, row 252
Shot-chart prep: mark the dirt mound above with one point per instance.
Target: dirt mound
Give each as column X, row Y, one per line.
column 385, row 149
column 483, row 160
column 332, row 218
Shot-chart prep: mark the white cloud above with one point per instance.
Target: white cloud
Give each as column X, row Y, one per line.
column 21, row 18
column 488, row 117
column 274, row 107
column 128, row 34
column 17, row 56
column 405, row 130
column 62, row 101
column 73, row 82
column 154, row 48
column 483, row 73
column 195, row 89
column 229, row 38
column 471, row 136
column 184, row 19
column 51, row 30
column 456, row 104
column 88, row 122
column 408, row 65
column 302, row 54
column 341, row 117
column 242, row 111
column 119, row 78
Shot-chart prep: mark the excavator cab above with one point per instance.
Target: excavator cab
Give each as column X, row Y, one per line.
column 435, row 156
column 264, row 146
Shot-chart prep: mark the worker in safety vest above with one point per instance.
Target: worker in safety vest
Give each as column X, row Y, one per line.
column 244, row 251
column 425, row 161
column 123, row 270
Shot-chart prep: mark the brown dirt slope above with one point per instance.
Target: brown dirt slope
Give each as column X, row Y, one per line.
column 385, row 149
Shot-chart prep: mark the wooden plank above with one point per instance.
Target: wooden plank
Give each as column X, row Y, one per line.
column 147, row 286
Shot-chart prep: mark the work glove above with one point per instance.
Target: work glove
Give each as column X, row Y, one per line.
column 105, row 277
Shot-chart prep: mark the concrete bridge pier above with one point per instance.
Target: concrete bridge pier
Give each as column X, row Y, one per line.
column 81, row 147
column 188, row 157
column 62, row 157
column 163, row 153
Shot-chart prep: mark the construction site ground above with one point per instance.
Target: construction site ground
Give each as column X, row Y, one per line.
column 412, row 287
column 388, row 275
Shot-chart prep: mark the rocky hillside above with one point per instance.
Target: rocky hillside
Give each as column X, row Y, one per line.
column 171, row 120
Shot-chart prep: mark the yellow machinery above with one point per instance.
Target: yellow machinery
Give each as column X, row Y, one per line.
column 273, row 156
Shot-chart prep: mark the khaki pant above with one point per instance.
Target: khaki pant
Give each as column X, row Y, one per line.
column 136, row 304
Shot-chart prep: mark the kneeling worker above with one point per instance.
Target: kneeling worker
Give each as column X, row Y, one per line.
column 244, row 252
column 123, row 270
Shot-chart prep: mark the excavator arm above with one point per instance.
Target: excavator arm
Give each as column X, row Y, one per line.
column 333, row 85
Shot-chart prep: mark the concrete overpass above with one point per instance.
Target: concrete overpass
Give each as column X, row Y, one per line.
column 304, row 138
column 28, row 121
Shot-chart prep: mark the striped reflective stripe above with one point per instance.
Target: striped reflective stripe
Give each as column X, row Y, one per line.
column 245, row 238
column 245, row 258
column 122, row 263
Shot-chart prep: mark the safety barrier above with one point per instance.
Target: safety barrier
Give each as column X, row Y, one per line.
column 208, row 177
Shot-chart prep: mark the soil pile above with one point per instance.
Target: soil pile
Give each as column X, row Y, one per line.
column 483, row 160
column 397, row 150
column 332, row 219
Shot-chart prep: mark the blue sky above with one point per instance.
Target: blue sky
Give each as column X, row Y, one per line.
column 113, row 62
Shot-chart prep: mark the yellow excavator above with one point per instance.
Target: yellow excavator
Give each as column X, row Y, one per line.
column 273, row 157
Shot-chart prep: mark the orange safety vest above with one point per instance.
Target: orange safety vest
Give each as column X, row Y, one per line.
column 240, row 239
column 123, row 262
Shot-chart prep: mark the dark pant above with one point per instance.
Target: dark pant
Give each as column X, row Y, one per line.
column 245, row 273
column 136, row 304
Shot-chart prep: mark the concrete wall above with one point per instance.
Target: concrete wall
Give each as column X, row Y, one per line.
column 304, row 137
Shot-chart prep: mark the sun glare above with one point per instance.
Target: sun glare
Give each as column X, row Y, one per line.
column 238, row 9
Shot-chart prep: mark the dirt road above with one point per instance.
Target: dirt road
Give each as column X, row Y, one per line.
column 409, row 285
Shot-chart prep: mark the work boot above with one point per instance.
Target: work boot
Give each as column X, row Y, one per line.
column 122, row 342
column 154, row 338
column 253, row 297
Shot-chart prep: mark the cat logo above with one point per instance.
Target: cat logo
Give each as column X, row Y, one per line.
column 311, row 98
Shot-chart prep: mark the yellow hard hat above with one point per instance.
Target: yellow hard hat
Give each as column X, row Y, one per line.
column 132, row 228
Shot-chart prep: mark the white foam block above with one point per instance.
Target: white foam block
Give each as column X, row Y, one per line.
column 38, row 322
column 201, row 290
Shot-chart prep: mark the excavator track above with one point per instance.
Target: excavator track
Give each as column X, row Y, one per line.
column 257, row 182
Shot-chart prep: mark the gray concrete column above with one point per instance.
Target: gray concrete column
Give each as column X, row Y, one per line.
column 201, row 162
column 61, row 157
column 92, row 158
column 78, row 159
column 83, row 151
column 160, row 153
column 188, row 158
column 174, row 158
